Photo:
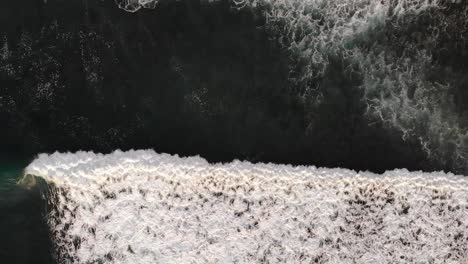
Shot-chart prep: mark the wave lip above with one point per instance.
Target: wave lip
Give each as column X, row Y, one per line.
column 145, row 207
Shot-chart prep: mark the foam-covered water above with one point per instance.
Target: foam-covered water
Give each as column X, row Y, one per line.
column 392, row 45
column 395, row 47
column 144, row 207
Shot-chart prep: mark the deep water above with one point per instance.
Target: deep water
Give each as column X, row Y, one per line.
column 24, row 235
column 186, row 78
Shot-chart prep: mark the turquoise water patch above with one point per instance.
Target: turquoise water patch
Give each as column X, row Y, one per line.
column 10, row 171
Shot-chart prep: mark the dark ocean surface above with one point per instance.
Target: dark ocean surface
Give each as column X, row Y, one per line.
column 191, row 78
column 23, row 229
column 212, row 79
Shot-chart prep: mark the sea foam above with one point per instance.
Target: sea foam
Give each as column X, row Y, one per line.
column 145, row 207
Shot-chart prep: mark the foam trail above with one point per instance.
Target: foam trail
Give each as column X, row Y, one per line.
column 135, row 5
column 144, row 207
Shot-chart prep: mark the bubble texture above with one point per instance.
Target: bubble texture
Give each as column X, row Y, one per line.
column 144, row 207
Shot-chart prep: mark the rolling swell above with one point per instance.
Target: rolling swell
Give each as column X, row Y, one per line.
column 330, row 83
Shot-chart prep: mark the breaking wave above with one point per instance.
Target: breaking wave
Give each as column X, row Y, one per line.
column 144, row 207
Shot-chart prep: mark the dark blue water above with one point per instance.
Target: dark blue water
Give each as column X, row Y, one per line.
column 24, row 235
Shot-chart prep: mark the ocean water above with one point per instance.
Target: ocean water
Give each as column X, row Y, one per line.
column 23, row 229
column 325, row 83
column 350, row 116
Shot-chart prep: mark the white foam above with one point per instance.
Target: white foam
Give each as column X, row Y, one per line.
column 144, row 207
column 135, row 5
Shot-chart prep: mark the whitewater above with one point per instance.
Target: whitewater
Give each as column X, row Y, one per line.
column 145, row 207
